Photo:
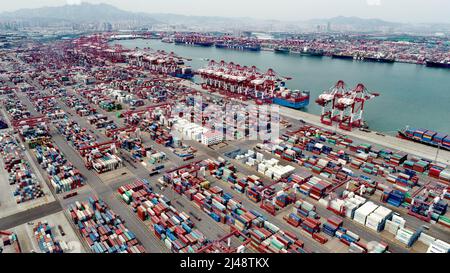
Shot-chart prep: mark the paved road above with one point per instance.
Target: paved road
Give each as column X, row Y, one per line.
column 150, row 242
column 29, row 215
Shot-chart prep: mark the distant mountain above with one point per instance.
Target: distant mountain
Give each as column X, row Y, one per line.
column 342, row 22
column 83, row 12
column 86, row 13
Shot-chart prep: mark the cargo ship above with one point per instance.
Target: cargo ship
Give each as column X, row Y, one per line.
column 427, row 137
column 282, row 50
column 295, row 99
column 162, row 62
column 194, row 41
column 183, row 72
column 167, row 40
column 378, row 59
column 243, row 82
column 442, row 64
column 312, row 52
column 239, row 46
column 342, row 56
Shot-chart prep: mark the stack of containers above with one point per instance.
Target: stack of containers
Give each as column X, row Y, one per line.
column 106, row 162
column 406, row 236
column 20, row 174
column 397, row 159
column 445, row 175
column 293, row 219
column 377, row 219
column 222, row 207
column 63, row 175
column 102, row 229
column 73, row 132
column 395, row 197
column 436, row 169
column 392, row 226
column 311, row 225
column 174, row 228
column 332, row 225
column 346, row 236
column 439, row 246
column 362, row 212
column 45, row 238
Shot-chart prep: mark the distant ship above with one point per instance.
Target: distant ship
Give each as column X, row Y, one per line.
column 194, row 42
column 377, row 59
column 183, row 72
column 167, row 40
column 239, row 46
column 310, row 52
column 281, row 49
column 441, row 64
column 342, row 56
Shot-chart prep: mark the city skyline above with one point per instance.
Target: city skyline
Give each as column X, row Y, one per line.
column 433, row 11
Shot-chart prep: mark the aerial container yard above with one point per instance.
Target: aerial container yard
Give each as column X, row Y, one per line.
column 162, row 133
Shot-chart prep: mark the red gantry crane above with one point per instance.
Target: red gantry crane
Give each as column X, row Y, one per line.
column 351, row 106
column 345, row 107
column 327, row 101
column 234, row 80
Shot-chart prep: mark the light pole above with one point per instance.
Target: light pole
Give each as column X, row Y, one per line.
column 437, row 152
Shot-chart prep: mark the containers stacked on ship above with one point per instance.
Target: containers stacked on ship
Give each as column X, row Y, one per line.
column 193, row 39
column 427, row 137
column 242, row 82
column 162, row 62
column 238, row 44
column 290, row 98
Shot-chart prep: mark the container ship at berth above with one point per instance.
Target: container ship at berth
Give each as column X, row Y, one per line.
column 238, row 46
column 194, row 40
column 427, row 137
column 282, row 50
column 161, row 62
column 342, row 56
column 439, row 64
column 378, row 59
column 242, row 82
column 312, row 52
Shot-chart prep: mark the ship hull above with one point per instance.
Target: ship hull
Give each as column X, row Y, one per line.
column 291, row 104
column 402, row 135
column 437, row 64
column 378, row 60
column 182, row 76
column 343, row 57
column 281, row 51
column 237, row 47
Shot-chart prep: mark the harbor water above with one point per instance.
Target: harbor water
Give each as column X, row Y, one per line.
column 410, row 94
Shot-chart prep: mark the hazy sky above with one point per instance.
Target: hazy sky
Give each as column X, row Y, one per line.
column 393, row 10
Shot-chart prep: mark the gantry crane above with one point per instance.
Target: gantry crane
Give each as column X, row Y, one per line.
column 351, row 107
column 327, row 101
